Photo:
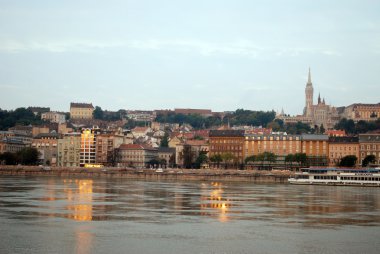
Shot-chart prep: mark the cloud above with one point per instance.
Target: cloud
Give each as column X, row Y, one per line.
column 244, row 48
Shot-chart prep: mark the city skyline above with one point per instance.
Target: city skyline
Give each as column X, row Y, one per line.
column 216, row 54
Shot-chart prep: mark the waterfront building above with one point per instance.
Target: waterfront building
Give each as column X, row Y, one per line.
column 190, row 149
column 340, row 147
column 81, row 110
column 168, row 154
column 316, row 148
column 47, row 146
column 107, row 145
column 136, row 155
column 69, row 148
column 369, row 145
column 362, row 112
column 54, row 117
column 227, row 141
column 279, row 144
column 88, row 146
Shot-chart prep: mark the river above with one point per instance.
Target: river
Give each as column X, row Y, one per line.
column 66, row 215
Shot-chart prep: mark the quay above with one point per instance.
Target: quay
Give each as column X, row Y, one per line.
column 255, row 176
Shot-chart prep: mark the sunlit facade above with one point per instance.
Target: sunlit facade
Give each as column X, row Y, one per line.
column 88, row 146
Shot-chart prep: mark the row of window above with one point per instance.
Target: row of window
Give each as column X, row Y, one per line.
column 355, row 178
column 368, row 147
column 325, row 177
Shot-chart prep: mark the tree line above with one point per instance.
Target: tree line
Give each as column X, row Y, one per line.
column 239, row 117
column 19, row 116
column 350, row 127
column 26, row 156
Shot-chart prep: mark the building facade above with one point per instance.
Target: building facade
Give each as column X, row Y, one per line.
column 54, row 117
column 81, row 110
column 10, row 145
column 369, row 145
column 135, row 155
column 340, row 147
column 69, row 147
column 107, row 148
column 167, row 154
column 190, row 150
column 362, row 112
column 88, row 146
column 281, row 145
column 47, row 146
column 227, row 141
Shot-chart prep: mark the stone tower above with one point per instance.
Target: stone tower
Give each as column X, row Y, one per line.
column 309, row 92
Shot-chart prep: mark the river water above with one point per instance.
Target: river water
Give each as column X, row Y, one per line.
column 58, row 215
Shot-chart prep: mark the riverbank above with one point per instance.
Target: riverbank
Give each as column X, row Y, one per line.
column 256, row 176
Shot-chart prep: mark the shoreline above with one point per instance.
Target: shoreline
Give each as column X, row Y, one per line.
column 255, row 176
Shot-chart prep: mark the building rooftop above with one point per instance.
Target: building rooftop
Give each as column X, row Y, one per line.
column 369, row 137
column 226, row 133
column 81, row 105
column 315, row 137
column 344, row 140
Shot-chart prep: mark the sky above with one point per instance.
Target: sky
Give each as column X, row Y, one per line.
column 165, row 54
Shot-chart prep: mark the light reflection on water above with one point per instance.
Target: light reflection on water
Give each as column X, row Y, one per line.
column 234, row 211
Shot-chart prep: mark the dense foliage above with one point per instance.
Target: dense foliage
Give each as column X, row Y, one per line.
column 239, row 117
column 27, row 156
column 21, row 116
column 356, row 128
column 368, row 160
column 100, row 114
column 348, row 161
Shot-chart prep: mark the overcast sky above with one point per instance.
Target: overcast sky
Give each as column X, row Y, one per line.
column 163, row 54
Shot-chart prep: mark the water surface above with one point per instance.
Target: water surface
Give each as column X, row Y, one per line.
column 58, row 215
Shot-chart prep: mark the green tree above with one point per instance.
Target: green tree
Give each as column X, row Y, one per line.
column 98, row 113
column 249, row 159
column 322, row 129
column 165, row 140
column 228, row 158
column 188, row 156
column 202, row 158
column 368, row 159
column 28, row 156
column 216, row 158
column 8, row 158
column 348, row 161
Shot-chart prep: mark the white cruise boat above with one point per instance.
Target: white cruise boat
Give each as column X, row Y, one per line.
column 337, row 176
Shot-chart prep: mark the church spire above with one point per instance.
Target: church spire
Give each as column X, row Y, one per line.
column 309, row 77
column 319, row 98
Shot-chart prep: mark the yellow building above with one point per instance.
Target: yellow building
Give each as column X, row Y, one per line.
column 88, row 146
column 81, row 110
column 316, row 148
column 361, row 111
column 369, row 145
column 281, row 145
column 69, row 150
column 340, row 147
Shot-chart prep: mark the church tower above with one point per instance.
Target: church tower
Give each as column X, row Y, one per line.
column 309, row 92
